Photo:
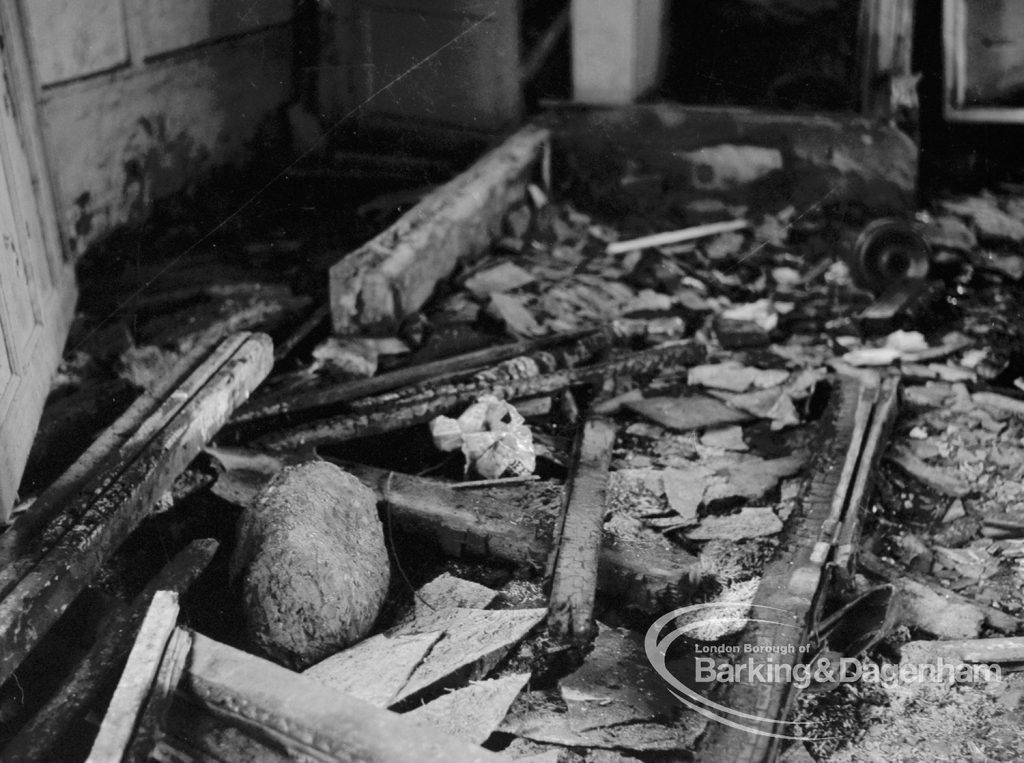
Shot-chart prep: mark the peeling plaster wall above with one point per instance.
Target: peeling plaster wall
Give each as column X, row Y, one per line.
column 140, row 98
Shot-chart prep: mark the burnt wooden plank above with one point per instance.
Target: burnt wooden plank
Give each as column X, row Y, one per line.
column 35, row 603
column 436, row 372
column 577, row 554
column 392, row 415
column 106, row 459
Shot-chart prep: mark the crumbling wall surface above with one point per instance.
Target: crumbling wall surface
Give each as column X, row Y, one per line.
column 665, row 154
column 138, row 102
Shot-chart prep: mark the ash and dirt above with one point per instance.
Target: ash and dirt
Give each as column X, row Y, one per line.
column 777, row 297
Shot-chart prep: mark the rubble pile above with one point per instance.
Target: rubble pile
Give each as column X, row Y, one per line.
column 640, row 416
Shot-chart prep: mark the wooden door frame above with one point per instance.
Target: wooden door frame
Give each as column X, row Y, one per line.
column 59, row 300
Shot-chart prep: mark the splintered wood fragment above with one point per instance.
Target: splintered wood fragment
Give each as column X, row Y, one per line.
column 474, row 712
column 436, row 372
column 107, row 458
column 377, row 668
column 518, row 524
column 474, row 642
column 122, row 716
column 676, row 236
column 35, row 603
column 392, row 275
column 999, row 402
column 151, row 721
column 38, row 739
column 988, row 651
column 577, row 554
column 447, row 400
column 500, row 481
column 308, row 720
column 939, row 480
column 315, row 318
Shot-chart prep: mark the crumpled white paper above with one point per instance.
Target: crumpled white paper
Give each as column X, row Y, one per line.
column 493, row 437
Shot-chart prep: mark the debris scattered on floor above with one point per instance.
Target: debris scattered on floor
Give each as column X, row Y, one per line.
column 711, row 341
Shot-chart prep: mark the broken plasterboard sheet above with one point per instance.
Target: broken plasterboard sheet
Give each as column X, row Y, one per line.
column 615, row 684
column 534, row 717
column 474, row 641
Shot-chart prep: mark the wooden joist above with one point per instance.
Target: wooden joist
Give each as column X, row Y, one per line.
column 38, row 739
column 578, row 549
column 518, row 525
column 71, row 559
column 393, row 275
column 390, row 415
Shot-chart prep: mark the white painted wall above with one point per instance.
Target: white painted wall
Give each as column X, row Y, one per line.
column 138, row 98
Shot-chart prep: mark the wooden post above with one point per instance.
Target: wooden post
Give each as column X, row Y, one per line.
column 576, row 555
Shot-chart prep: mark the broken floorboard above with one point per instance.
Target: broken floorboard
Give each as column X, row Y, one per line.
column 578, row 548
column 395, row 273
column 517, row 525
column 39, row 738
column 35, row 602
column 793, row 585
column 391, row 416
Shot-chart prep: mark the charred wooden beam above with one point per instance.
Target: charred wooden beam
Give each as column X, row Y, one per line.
column 282, row 710
column 518, row 525
column 104, row 460
column 38, row 739
column 288, row 403
column 70, row 561
column 578, row 550
column 390, row 415
column 395, row 273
